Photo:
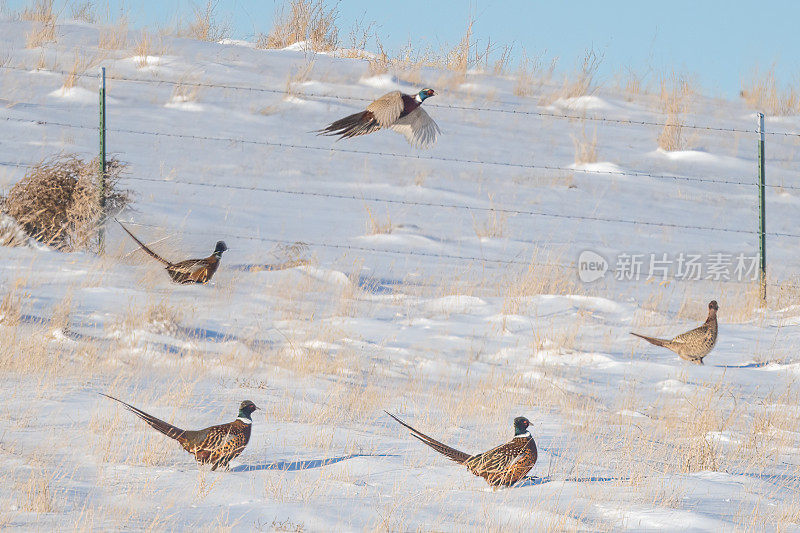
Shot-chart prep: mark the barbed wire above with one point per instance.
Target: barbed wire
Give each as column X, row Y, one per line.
column 509, row 211
column 784, row 284
column 552, row 168
column 545, row 114
column 445, row 205
column 365, row 248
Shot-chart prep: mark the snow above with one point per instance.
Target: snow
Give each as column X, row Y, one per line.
column 325, row 325
column 75, row 94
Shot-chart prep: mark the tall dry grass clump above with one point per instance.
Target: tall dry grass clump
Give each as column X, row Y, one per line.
column 79, row 66
column 303, row 21
column 675, row 101
column 632, row 83
column 205, row 26
column 376, row 226
column 533, row 74
column 115, row 35
column 583, row 81
column 57, row 202
column 585, row 146
column 35, row 494
column 762, row 93
column 458, row 59
column 83, row 12
column 44, row 31
column 40, row 11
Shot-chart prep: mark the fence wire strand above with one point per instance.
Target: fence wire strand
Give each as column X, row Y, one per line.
column 397, row 201
column 544, row 114
column 531, row 166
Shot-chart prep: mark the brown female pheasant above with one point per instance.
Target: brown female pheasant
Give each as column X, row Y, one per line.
column 189, row 271
column 504, row 465
column 215, row 445
column 395, row 110
column 693, row 345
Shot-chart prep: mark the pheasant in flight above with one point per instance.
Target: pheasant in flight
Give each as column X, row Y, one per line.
column 397, row 111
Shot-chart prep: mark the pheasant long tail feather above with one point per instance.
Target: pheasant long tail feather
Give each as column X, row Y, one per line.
column 144, row 247
column 453, row 454
column 353, row 125
column 651, row 340
column 167, row 429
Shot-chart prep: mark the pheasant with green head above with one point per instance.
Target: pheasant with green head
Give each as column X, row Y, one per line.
column 504, row 465
column 397, row 111
column 215, row 445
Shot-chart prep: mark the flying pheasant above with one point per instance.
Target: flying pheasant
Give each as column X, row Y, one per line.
column 395, row 110
column 215, row 445
column 504, row 465
column 189, row 271
column 695, row 344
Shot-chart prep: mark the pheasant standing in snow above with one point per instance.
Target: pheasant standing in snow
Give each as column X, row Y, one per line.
column 504, row 465
column 215, row 445
column 395, row 110
column 191, row 270
column 695, row 344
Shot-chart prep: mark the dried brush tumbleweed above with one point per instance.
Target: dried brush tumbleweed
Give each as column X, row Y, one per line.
column 58, row 201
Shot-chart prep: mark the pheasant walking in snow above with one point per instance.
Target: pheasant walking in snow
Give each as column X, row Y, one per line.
column 395, row 110
column 189, row 271
column 504, row 465
column 215, row 445
column 693, row 345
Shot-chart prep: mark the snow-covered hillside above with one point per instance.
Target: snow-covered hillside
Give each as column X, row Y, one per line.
column 364, row 275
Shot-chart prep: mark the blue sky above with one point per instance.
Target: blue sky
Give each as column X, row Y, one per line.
column 717, row 42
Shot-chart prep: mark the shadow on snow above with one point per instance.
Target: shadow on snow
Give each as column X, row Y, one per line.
column 291, row 466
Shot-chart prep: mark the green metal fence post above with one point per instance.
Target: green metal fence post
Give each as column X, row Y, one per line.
column 101, row 233
column 762, row 225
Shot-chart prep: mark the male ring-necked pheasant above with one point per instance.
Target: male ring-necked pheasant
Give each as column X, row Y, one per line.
column 395, row 110
column 504, row 465
column 215, row 445
column 693, row 345
column 189, row 271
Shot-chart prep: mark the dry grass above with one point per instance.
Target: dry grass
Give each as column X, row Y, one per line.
column 532, row 75
column 114, row 36
column 493, row 226
column 41, row 34
column 583, row 81
column 186, row 90
column 585, row 146
column 83, row 12
column 34, row 493
column 11, row 305
column 11, row 233
column 308, row 21
column 205, row 26
column 458, row 59
column 632, row 84
column 675, row 101
column 40, row 11
column 160, row 318
column 763, row 93
column 300, row 75
column 79, row 66
column 57, row 201
column 44, row 31
column 543, row 276
column 145, row 48
column 376, row 226
column 379, row 63
column 358, row 41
